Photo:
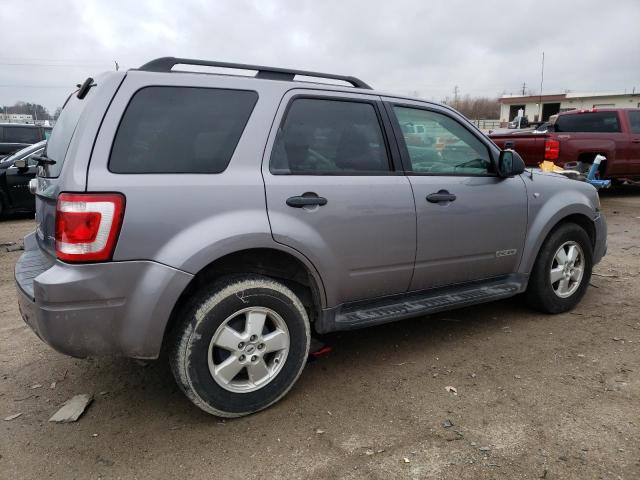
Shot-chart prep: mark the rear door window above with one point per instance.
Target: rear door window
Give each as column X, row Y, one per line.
column 21, row 135
column 595, row 122
column 180, row 130
column 330, row 137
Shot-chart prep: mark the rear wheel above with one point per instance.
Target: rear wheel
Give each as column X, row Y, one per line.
column 562, row 271
column 241, row 346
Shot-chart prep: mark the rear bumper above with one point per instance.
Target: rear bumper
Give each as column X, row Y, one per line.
column 119, row 308
column 601, row 245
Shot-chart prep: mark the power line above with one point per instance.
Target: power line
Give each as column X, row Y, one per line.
column 38, row 86
column 64, row 65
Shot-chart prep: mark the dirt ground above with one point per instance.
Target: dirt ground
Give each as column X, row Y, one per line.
column 537, row 396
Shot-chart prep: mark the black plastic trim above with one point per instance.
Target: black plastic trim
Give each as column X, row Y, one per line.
column 354, row 315
column 165, row 64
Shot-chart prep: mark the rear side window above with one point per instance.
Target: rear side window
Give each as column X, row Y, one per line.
column 330, row 137
column 180, row 130
column 634, row 120
column 21, row 135
column 603, row 122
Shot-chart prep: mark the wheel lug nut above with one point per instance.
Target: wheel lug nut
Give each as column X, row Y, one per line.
column 253, row 338
column 254, row 358
column 261, row 346
column 242, row 357
column 240, row 345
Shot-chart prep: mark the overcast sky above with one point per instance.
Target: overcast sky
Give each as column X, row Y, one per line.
column 410, row 47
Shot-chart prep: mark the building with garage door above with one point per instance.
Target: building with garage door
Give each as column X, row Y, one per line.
column 541, row 107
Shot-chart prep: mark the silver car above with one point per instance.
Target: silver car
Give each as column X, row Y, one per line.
column 228, row 218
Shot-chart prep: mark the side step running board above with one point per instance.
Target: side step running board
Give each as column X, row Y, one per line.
column 390, row 309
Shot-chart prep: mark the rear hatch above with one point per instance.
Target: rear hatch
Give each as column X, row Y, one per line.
column 69, row 146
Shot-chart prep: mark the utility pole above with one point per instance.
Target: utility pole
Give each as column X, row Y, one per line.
column 541, row 82
column 524, row 88
column 455, row 97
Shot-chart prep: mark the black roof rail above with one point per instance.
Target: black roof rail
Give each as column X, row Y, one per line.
column 165, row 64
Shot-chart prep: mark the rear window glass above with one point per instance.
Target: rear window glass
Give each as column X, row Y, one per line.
column 606, row 122
column 634, row 119
column 60, row 138
column 180, row 130
column 21, row 135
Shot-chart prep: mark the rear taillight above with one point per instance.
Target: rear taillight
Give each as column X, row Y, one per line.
column 87, row 226
column 551, row 149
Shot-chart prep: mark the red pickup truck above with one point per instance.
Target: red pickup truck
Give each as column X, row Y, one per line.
column 577, row 136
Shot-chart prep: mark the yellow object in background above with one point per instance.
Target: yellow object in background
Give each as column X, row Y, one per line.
column 547, row 166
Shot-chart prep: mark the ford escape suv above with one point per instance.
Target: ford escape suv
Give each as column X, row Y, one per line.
column 227, row 217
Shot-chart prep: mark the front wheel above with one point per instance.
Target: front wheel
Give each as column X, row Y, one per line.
column 562, row 271
column 241, row 346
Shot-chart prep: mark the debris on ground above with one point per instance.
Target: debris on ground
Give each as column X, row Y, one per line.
column 406, row 460
column 447, row 423
column 484, row 449
column 15, row 248
column 451, row 389
column 319, row 431
column 12, row 417
column 72, row 409
column 37, row 385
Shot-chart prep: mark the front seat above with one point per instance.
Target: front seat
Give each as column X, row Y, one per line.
column 354, row 152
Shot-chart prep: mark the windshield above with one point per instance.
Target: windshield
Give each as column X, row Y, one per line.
column 24, row 152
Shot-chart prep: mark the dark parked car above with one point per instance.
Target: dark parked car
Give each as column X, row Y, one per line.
column 14, row 180
column 16, row 136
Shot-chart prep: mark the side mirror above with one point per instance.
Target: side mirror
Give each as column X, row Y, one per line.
column 21, row 163
column 510, row 164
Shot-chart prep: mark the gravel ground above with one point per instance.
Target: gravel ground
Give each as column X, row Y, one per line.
column 537, row 396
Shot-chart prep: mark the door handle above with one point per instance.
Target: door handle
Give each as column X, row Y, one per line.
column 299, row 202
column 441, row 196
column 509, row 144
column 636, row 140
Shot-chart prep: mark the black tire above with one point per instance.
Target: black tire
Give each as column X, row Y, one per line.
column 540, row 293
column 204, row 316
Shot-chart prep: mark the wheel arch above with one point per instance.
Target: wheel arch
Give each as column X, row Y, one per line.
column 542, row 228
column 296, row 273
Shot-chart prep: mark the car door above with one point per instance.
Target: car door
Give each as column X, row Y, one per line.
column 471, row 224
column 335, row 194
column 18, row 183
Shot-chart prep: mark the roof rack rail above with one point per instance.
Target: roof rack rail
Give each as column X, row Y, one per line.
column 165, row 64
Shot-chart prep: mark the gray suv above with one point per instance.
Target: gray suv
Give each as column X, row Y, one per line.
column 226, row 218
